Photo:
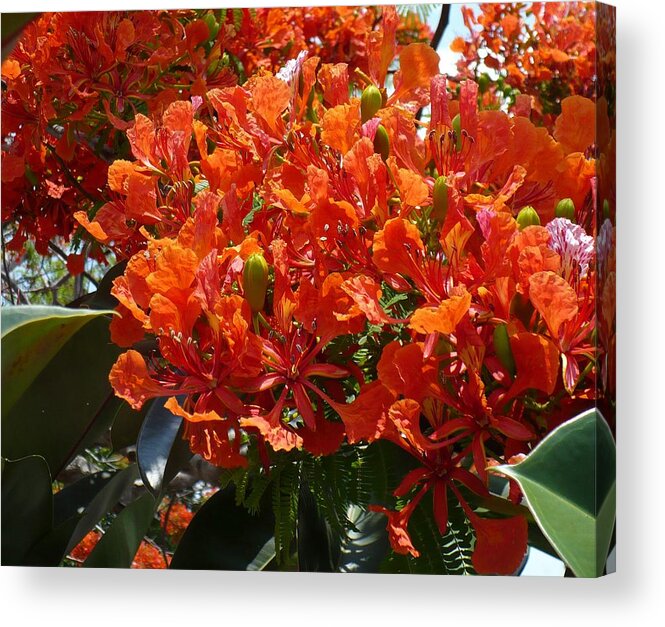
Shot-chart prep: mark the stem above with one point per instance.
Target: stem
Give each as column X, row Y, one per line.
column 441, row 26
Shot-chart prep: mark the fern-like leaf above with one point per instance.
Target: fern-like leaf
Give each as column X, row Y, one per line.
column 286, row 488
column 448, row 554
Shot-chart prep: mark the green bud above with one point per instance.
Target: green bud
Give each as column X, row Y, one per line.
column 443, row 347
column 30, row 175
column 457, row 127
column 527, row 216
column 521, row 308
column 565, row 208
column 212, row 68
column 606, row 209
column 255, row 281
column 440, row 199
column 211, row 23
column 483, row 83
column 382, row 142
column 502, row 348
column 370, row 102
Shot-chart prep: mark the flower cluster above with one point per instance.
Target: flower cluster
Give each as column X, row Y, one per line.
column 542, row 52
column 310, row 264
column 75, row 81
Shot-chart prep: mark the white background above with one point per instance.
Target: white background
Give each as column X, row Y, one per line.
column 633, row 596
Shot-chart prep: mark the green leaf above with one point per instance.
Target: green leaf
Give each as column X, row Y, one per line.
column 225, row 536
column 159, row 432
column 285, row 496
column 118, row 546
column 126, row 424
column 31, row 337
column 568, row 482
column 27, row 507
column 102, row 503
column 64, row 409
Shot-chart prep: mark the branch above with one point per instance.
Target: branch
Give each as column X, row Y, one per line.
column 444, row 18
column 63, row 255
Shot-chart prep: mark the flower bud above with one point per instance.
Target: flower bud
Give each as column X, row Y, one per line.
column 382, row 142
column 527, row 216
column 370, row 103
column 565, row 208
column 483, row 83
column 502, row 348
column 255, row 281
column 440, row 199
column 457, row 127
column 521, row 308
column 606, row 209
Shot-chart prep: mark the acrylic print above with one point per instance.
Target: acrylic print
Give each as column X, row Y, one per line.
column 310, row 289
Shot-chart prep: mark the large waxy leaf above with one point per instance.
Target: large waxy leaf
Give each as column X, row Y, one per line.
column 73, row 500
column 76, row 509
column 27, row 507
column 50, row 549
column 64, row 407
column 102, row 503
column 568, row 482
column 158, row 438
column 126, row 424
column 118, row 546
column 12, row 27
column 31, row 337
column 225, row 536
column 102, row 298
column 365, row 545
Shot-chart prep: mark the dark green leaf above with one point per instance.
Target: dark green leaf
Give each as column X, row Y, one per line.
column 75, row 498
column 568, row 481
column 12, row 27
column 101, row 298
column 62, row 410
column 225, row 536
column 27, row 507
column 126, row 424
column 102, row 503
column 118, row 546
column 158, row 434
column 31, row 337
column 51, row 548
